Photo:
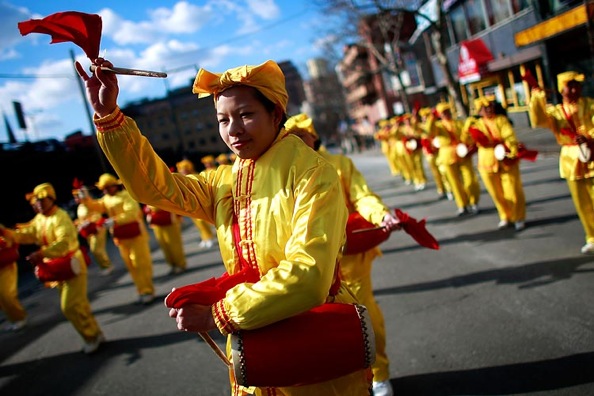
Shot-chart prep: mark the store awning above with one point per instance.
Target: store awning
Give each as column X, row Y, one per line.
column 472, row 63
column 553, row 26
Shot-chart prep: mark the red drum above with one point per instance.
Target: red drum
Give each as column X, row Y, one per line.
column 88, row 229
column 159, row 218
column 8, row 254
column 126, row 231
column 359, row 242
column 58, row 269
column 324, row 343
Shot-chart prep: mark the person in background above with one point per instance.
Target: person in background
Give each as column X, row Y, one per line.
column 501, row 177
column 129, row 233
column 430, row 152
column 355, row 269
column 87, row 223
column 382, row 135
column 167, row 228
column 9, row 296
column 54, row 232
column 275, row 210
column 186, row 167
column 572, row 124
column 447, row 133
column 411, row 133
column 223, row 159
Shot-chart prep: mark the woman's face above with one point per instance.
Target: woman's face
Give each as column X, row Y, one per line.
column 572, row 91
column 245, row 125
column 488, row 111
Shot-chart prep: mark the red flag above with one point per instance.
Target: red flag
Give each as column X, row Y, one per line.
column 417, row 230
column 82, row 29
column 358, row 242
column 527, row 154
column 478, row 136
column 529, row 78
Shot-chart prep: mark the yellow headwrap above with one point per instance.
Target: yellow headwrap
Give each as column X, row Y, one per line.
column 107, row 179
column 45, row 190
column 383, row 123
column 424, row 111
column 209, row 159
column 267, row 78
column 565, row 77
column 222, row 159
column 441, row 107
column 301, row 122
column 185, row 165
column 482, row 101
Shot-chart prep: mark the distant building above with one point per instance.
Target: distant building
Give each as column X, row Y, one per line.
column 294, row 85
column 77, row 140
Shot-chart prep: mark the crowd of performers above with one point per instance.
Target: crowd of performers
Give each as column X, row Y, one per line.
column 274, row 243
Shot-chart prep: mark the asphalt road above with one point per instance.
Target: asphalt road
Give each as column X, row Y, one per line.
column 493, row 312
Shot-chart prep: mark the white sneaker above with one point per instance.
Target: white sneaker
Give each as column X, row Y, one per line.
column 15, row 326
column 588, row 248
column 473, row 209
column 450, row 196
column 92, row 346
column 503, row 224
column 146, row 299
column 107, row 271
column 520, row 225
column 461, row 212
column 206, row 244
column 383, row 388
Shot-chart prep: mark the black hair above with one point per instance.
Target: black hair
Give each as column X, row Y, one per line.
column 269, row 105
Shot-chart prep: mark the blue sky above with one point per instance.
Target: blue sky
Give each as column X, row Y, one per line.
column 173, row 36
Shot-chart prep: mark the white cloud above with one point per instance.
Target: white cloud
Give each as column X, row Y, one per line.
column 265, row 9
column 10, row 16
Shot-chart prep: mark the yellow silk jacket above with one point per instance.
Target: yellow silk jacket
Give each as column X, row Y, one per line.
column 448, row 135
column 498, row 129
column 288, row 206
column 121, row 207
column 83, row 213
column 553, row 118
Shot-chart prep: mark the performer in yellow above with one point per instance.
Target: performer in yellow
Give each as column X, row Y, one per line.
column 399, row 152
column 9, row 297
column 383, row 136
column 167, row 228
column 501, row 178
column 54, row 232
column 97, row 240
column 430, row 153
column 281, row 199
column 355, row 269
column 411, row 137
column 223, row 159
column 125, row 213
column 462, row 179
column 573, row 126
column 186, row 167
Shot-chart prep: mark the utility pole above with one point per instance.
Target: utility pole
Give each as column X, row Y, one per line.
column 83, row 93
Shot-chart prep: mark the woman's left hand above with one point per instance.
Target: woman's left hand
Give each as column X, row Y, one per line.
column 194, row 318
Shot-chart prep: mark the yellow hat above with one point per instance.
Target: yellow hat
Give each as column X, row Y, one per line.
column 106, row 180
column 565, row 77
column 45, row 190
column 483, row 101
column 185, row 165
column 441, row 107
column 222, row 159
column 383, row 123
column 209, row 159
column 267, row 78
column 424, row 111
column 301, row 122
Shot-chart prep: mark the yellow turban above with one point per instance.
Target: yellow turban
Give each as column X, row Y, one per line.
column 565, row 77
column 45, row 190
column 424, row 111
column 209, row 159
column 106, row 180
column 441, row 107
column 301, row 122
column 222, row 159
column 482, row 101
column 267, row 78
column 185, row 165
column 383, row 123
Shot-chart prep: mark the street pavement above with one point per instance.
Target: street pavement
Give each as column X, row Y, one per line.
column 492, row 312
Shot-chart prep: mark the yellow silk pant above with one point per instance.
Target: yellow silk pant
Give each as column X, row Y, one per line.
column 206, row 233
column 9, row 297
column 470, row 181
column 97, row 243
column 387, row 151
column 136, row 254
column 418, row 171
column 355, row 271
column 438, row 177
column 76, row 308
column 505, row 188
column 463, row 182
column 402, row 161
column 582, row 194
column 170, row 240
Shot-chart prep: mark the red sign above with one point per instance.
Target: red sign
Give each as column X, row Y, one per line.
column 474, row 56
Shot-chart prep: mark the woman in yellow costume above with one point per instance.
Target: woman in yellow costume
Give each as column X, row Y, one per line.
column 126, row 214
column 280, row 200
column 383, row 136
column 54, row 232
column 410, row 133
column 501, row 177
column 573, row 125
column 430, row 153
column 9, row 295
column 167, row 228
column 459, row 171
column 355, row 269
column 98, row 239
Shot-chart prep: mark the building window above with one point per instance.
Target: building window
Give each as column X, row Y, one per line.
column 519, row 5
column 458, row 22
column 497, row 11
column 475, row 14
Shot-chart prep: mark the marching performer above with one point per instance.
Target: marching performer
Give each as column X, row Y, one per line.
column 430, row 152
column 54, row 232
column 128, row 231
column 167, row 229
column 87, row 223
column 500, row 173
column 355, row 269
column 411, row 139
column 573, row 126
column 383, row 136
column 9, row 297
column 275, row 210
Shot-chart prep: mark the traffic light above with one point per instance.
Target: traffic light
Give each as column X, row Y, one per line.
column 18, row 109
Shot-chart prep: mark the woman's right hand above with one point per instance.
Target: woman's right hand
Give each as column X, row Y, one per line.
column 102, row 87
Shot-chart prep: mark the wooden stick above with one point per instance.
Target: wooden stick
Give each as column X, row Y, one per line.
column 215, row 348
column 130, row 72
column 367, row 229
